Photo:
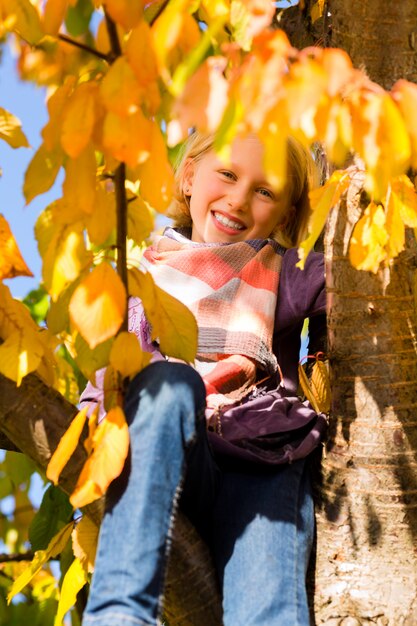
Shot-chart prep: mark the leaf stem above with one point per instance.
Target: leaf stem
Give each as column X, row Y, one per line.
column 83, row 46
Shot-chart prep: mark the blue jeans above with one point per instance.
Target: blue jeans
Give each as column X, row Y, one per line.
column 259, row 525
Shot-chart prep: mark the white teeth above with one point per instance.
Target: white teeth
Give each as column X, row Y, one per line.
column 226, row 222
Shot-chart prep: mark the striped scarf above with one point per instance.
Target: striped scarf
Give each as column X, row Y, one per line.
column 231, row 288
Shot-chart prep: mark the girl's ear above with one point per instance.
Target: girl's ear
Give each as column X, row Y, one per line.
column 188, row 177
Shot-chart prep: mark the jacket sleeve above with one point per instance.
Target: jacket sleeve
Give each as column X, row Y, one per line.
column 93, row 394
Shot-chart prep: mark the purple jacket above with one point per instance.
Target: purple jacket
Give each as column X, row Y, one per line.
column 301, row 295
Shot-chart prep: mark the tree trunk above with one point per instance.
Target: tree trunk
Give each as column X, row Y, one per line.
column 366, row 569
column 34, row 417
column 367, row 524
column 379, row 36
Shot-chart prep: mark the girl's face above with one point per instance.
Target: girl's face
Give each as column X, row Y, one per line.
column 230, row 203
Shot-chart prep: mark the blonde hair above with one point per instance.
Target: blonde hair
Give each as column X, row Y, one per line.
column 302, row 176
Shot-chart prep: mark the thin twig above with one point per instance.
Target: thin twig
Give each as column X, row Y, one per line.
column 113, row 36
column 83, row 46
column 121, row 210
column 158, row 13
column 19, row 556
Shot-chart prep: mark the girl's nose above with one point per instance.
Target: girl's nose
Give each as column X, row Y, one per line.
column 238, row 198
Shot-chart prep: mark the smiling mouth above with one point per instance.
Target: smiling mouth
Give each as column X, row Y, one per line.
column 225, row 221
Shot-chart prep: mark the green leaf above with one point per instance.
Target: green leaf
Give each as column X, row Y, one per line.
column 37, row 301
column 54, row 512
column 19, row 468
column 90, row 360
column 11, row 131
column 78, row 17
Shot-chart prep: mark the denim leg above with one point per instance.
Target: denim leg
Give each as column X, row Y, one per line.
column 264, row 530
column 165, row 410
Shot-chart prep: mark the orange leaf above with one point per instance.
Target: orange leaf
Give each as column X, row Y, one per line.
column 97, row 306
column 84, row 542
column 405, row 195
column 202, row 102
column 51, row 132
column 53, row 16
column 111, row 445
column 66, row 446
column 78, row 119
column 124, row 12
column 11, row 261
column 405, row 96
column 120, row 90
column 394, row 226
column 127, row 138
column 141, row 55
column 79, row 186
column 157, row 183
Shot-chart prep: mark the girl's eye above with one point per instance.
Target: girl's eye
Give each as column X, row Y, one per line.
column 228, row 174
column 266, row 192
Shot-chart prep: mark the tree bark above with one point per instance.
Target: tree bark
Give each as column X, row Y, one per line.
column 380, row 37
column 366, row 566
column 34, row 417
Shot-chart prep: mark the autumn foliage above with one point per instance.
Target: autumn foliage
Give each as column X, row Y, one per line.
column 127, row 80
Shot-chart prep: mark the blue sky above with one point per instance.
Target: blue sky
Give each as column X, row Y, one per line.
column 27, row 102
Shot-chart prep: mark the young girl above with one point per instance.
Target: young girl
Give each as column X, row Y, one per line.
column 231, row 259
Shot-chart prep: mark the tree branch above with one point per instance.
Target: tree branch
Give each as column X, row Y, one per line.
column 14, row 558
column 83, row 46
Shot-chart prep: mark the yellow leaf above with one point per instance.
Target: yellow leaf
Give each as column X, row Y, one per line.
column 126, row 356
column 369, row 237
column 64, row 259
column 51, row 132
column 120, row 90
column 84, row 542
column 11, row 261
column 111, row 445
column 112, row 388
column 20, row 354
column 140, row 221
column 102, row 221
column 167, row 29
column 11, row 130
column 41, row 172
column 320, row 385
column 66, row 446
column 274, row 141
column 172, row 322
column 405, row 96
column 22, row 17
column 322, row 200
column 14, row 316
column 316, row 10
column 125, row 12
column 92, row 425
column 202, row 102
column 381, row 139
column 55, row 547
column 74, row 580
column 78, row 119
column 250, row 18
column 156, row 183
column 79, row 186
column 394, row 226
column 404, row 194
column 127, row 138
column 98, row 305
column 53, row 15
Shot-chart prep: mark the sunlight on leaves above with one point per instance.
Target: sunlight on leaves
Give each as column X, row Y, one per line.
column 11, row 130
column 11, row 261
column 66, row 446
column 97, row 306
column 84, row 542
column 110, row 448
